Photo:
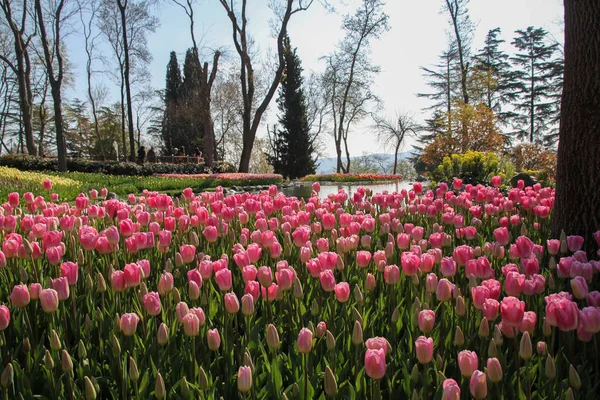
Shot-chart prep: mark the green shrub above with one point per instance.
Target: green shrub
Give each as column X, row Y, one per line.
column 473, row 167
column 32, row 163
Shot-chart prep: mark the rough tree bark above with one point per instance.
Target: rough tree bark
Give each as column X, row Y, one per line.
column 55, row 80
column 577, row 203
column 22, row 69
column 122, row 4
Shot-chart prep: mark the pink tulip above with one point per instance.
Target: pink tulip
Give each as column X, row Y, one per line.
column 502, row 236
column 20, row 296
column 377, row 343
column 304, row 342
column 512, row 311
column 152, row 303
column 391, row 274
column 363, row 258
column 593, row 299
column 563, row 313
column 451, row 390
column 574, row 243
column 424, row 349
column 371, row 283
column 431, row 283
column 70, row 270
column 524, row 246
column 166, row 283
column 327, row 280
column 496, row 180
column 13, row 199
column 553, row 246
column 232, row 304
column 181, row 309
column 47, row 185
column 478, row 385
column 467, row 362
column 129, row 323
column 490, row 309
column 375, row 365
column 34, row 290
column 589, row 318
column 61, row 285
column 342, row 292
column 117, row 281
column 5, row 317
column 410, row 263
column 444, row 290
column 528, row 322
column 133, row 275
column 462, row 254
column 448, row 267
column 265, row 276
column 223, row 278
column 513, row 285
column 426, row 320
column 579, row 287
column 191, row 324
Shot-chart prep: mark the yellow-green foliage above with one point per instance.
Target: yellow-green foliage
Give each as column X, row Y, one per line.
column 473, row 167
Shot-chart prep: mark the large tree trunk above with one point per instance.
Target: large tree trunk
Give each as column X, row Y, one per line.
column 122, row 7
column 577, row 205
column 25, row 96
column 59, row 126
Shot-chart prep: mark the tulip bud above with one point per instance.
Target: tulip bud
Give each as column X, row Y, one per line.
column 54, row 341
column 178, row 260
column 298, row 292
column 498, row 337
column 314, row 308
column 7, row 376
column 357, row 334
column 439, row 361
column 272, row 337
column 143, row 291
column 48, row 361
column 117, row 324
column 546, row 328
column 90, row 390
column 358, row 296
column 80, row 257
column 459, row 337
column 89, row 282
column 550, row 368
column 65, row 361
column 523, row 230
column 525, row 347
column 484, row 328
column 551, row 283
column 415, row 280
column 81, row 351
column 492, row 349
column 494, row 370
column 116, row 346
column 472, row 282
column 541, row 348
column 248, row 360
column 574, row 379
column 159, row 387
column 26, row 345
column 331, row 387
column 569, row 395
column 87, row 322
column 23, row 274
column 99, row 315
column 414, row 375
column 162, row 336
column 185, row 388
column 176, row 296
column 202, row 379
column 461, row 309
column 395, row 315
column 101, row 285
column 168, row 265
column 134, row 375
column 552, row 264
column 356, row 315
column 194, row 241
column 330, row 341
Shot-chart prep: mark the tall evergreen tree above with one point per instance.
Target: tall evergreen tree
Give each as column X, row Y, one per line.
column 191, row 103
column 536, row 70
column 492, row 66
column 171, row 129
column 292, row 145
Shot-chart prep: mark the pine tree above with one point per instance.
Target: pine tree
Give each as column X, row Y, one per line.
column 171, row 129
column 491, row 64
column 536, row 71
column 292, row 144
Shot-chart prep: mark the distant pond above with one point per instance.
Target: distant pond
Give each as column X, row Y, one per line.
column 304, row 189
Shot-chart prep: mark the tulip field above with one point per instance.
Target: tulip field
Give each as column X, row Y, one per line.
column 453, row 293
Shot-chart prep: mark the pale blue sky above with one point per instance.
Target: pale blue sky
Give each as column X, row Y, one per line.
column 417, row 36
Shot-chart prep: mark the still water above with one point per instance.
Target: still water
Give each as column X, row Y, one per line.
column 304, row 190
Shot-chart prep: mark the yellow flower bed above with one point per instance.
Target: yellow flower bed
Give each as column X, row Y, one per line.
column 14, row 175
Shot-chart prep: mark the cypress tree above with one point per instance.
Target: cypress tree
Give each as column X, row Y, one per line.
column 535, row 75
column 292, row 145
column 191, row 103
column 171, row 129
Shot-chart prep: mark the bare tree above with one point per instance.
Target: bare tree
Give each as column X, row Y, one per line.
column 126, row 24
column 462, row 28
column 349, row 73
column 239, row 22
column 392, row 132
column 20, row 63
column 59, row 11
